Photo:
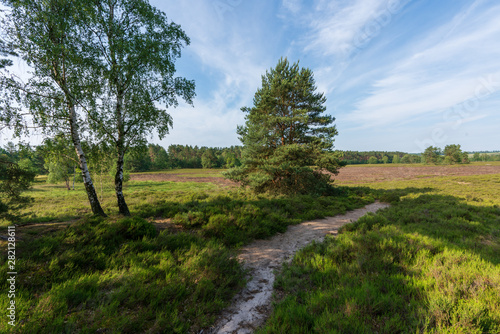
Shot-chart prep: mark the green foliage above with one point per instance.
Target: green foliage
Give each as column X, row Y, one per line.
column 427, row 264
column 155, row 157
column 453, row 154
column 361, row 157
column 372, row 160
column 120, row 277
column 395, row 159
column 465, row 158
column 135, row 59
column 159, row 157
column 286, row 133
column 126, row 277
column 14, row 179
column 136, row 228
column 50, row 38
column 410, row 159
column 208, row 159
column 431, row 155
column 58, row 173
column 238, row 217
column 60, row 159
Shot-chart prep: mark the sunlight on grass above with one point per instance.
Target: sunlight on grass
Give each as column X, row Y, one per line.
column 430, row 264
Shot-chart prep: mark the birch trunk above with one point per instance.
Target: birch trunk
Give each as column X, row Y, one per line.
column 122, row 205
column 87, row 180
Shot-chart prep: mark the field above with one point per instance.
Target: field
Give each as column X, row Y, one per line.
column 429, row 263
column 361, row 174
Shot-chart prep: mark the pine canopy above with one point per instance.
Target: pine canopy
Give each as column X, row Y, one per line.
column 287, row 137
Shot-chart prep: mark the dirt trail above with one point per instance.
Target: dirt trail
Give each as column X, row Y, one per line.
column 252, row 306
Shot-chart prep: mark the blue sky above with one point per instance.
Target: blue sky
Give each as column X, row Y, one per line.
column 397, row 74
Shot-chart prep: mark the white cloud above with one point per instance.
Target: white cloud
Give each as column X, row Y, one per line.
column 230, row 58
column 206, row 125
column 336, row 31
column 441, row 74
column 293, row 6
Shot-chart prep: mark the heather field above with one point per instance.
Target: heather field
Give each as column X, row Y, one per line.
column 429, row 263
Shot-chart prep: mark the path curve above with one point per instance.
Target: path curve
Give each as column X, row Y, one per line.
column 251, row 306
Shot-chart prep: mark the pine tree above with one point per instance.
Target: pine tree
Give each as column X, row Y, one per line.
column 431, row 155
column 287, row 138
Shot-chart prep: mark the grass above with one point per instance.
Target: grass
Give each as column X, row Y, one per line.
column 428, row 264
column 53, row 202
column 189, row 172
column 120, row 277
column 125, row 275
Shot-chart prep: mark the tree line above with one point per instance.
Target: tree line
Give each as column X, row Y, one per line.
column 155, row 157
column 56, row 159
column 453, row 154
column 371, row 157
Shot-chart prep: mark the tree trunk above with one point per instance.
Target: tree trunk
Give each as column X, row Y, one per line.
column 122, row 205
column 87, row 180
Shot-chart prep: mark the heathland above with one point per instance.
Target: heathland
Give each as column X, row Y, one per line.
column 428, row 263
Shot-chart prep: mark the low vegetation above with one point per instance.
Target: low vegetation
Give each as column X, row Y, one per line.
column 169, row 269
column 430, row 264
column 121, row 277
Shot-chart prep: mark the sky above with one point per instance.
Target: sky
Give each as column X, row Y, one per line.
column 399, row 75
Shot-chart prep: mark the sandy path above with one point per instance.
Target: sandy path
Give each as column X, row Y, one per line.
column 252, row 306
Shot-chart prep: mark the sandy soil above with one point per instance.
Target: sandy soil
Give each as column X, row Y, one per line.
column 251, row 306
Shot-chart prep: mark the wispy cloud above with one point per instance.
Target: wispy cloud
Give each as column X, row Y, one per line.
column 339, row 26
column 229, row 58
column 443, row 73
column 334, row 32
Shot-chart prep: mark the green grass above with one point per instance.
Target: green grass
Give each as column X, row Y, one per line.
column 190, row 172
column 428, row 264
column 53, row 202
column 237, row 217
column 122, row 275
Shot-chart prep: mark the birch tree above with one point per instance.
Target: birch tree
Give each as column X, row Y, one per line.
column 46, row 35
column 137, row 47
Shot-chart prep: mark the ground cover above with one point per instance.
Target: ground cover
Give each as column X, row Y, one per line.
column 170, row 268
column 364, row 174
column 429, row 264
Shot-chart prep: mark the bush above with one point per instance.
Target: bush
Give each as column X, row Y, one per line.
column 135, row 228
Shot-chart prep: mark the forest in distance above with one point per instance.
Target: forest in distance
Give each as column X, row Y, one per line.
column 46, row 159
